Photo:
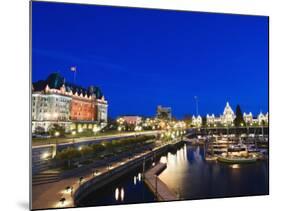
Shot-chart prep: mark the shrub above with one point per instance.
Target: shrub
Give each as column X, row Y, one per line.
column 68, row 153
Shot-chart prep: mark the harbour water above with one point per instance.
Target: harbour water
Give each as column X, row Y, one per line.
column 191, row 177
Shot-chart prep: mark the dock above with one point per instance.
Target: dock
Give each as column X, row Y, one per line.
column 157, row 186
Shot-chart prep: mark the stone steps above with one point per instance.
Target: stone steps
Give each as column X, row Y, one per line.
column 46, row 177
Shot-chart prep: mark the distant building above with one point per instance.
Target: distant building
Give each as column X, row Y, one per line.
column 248, row 118
column 210, row 119
column 227, row 118
column 164, row 112
column 132, row 120
column 56, row 102
column 196, row 121
column 228, row 115
column 263, row 118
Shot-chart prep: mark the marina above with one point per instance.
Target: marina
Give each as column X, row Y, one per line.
column 188, row 175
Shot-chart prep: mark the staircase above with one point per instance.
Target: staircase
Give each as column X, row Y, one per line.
column 45, row 177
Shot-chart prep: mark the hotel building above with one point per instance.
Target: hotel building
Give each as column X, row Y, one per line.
column 67, row 105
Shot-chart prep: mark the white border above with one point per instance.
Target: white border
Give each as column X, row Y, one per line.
column 14, row 105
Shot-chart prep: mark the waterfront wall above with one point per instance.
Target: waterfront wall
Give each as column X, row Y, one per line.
column 39, row 163
column 99, row 181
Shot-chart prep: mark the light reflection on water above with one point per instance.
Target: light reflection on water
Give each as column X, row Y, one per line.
column 119, row 194
column 116, row 194
column 235, row 166
column 188, row 174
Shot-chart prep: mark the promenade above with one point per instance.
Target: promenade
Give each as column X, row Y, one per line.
column 49, row 195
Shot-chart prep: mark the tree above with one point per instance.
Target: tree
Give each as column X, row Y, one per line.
column 39, row 130
column 239, row 117
column 68, row 154
column 187, row 119
column 56, row 128
column 204, row 121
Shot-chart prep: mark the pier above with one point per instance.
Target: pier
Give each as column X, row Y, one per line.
column 156, row 185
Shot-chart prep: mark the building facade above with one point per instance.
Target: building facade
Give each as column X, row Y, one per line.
column 262, row 118
column 248, row 118
column 196, row 121
column 132, row 120
column 82, row 108
column 56, row 102
column 228, row 115
column 101, row 110
column 164, row 112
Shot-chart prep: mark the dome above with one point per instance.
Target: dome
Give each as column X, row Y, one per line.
column 55, row 81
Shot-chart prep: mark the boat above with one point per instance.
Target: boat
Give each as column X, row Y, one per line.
column 236, row 160
column 210, row 158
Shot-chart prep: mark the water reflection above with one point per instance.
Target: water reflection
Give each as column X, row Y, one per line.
column 235, row 166
column 116, row 194
column 122, row 194
column 188, row 174
column 119, row 194
column 139, row 177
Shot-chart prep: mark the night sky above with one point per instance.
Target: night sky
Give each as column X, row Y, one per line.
column 142, row 58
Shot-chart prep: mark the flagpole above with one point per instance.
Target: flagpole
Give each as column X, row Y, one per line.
column 73, row 69
column 74, row 77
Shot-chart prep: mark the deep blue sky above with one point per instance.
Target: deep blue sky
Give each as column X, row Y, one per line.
column 142, row 58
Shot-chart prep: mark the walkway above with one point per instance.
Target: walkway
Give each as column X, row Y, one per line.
column 161, row 190
column 49, row 195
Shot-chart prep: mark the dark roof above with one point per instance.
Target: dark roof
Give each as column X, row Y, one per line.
column 55, row 81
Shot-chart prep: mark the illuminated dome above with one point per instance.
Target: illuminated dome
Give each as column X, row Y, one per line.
column 228, row 115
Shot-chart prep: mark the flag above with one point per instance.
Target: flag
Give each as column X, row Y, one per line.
column 73, row 69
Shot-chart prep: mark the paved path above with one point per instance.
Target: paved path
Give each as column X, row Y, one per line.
column 48, row 195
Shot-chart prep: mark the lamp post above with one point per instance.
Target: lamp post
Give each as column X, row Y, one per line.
column 56, row 135
column 95, row 130
column 73, row 134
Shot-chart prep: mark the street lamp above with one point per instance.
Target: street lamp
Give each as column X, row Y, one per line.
column 62, row 200
column 57, row 134
column 73, row 134
column 81, row 180
column 96, row 129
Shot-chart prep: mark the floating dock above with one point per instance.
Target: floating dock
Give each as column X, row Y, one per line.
column 156, row 185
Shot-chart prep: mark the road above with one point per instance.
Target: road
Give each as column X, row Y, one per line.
column 94, row 138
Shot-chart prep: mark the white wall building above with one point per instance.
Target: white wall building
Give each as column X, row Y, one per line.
column 210, row 119
column 248, row 118
column 228, row 115
column 102, row 108
column 262, row 118
column 49, row 109
column 196, row 121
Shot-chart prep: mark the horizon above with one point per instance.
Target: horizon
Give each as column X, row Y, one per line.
column 130, row 54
